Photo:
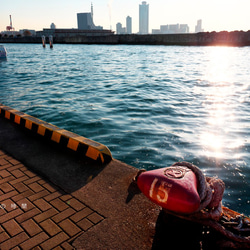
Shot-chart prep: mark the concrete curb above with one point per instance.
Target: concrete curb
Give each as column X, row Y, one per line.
column 84, row 146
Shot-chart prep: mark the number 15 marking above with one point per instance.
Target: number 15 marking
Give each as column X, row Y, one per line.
column 159, row 190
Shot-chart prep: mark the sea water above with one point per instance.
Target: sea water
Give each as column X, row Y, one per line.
column 151, row 105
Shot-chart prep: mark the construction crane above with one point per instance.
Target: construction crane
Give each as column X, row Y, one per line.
column 10, row 27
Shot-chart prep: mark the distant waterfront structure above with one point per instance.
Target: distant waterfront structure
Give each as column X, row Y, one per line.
column 86, row 27
column 156, row 31
column 85, row 21
column 171, row 29
column 53, row 26
column 69, row 33
column 120, row 29
column 129, row 25
column 184, row 28
column 124, row 30
column 10, row 27
column 198, row 27
column 143, row 18
column 10, row 33
column 27, row 32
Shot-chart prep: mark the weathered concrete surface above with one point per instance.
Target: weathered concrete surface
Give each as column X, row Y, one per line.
column 130, row 221
column 129, row 217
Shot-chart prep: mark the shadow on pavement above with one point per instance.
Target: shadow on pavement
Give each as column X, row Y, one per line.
column 61, row 166
column 174, row 233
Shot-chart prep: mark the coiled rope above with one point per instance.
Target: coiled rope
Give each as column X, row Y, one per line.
column 210, row 190
column 210, row 212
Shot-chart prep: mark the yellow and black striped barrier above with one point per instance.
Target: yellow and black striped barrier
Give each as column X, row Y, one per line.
column 79, row 144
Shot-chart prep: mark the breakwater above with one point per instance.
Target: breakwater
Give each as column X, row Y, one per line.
column 224, row 38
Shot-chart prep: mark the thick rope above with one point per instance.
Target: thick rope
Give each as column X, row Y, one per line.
column 211, row 191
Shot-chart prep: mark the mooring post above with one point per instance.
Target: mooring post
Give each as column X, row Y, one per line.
column 51, row 41
column 44, row 41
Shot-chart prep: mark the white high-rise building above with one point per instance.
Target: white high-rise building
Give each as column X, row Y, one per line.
column 119, row 29
column 129, row 25
column 143, row 18
column 198, row 27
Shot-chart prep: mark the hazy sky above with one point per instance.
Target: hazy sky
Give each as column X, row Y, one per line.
column 216, row 15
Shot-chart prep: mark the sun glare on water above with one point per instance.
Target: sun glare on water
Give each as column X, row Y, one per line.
column 217, row 137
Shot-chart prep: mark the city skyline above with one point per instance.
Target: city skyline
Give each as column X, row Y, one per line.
column 216, row 15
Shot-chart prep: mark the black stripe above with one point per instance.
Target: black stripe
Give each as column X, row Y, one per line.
column 34, row 127
column 107, row 158
column 64, row 141
column 22, row 122
column 12, row 117
column 82, row 149
column 48, row 134
column 2, row 112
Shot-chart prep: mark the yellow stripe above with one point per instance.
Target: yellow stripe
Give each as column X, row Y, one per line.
column 56, row 137
column 102, row 158
column 95, row 149
column 41, row 130
column 92, row 153
column 7, row 114
column 28, row 124
column 17, row 119
column 73, row 144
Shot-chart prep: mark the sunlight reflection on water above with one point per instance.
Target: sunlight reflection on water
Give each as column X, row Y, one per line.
column 221, row 104
column 151, row 105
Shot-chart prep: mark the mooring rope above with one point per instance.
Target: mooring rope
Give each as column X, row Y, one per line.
column 210, row 190
column 209, row 213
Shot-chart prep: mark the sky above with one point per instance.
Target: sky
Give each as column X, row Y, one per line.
column 216, row 15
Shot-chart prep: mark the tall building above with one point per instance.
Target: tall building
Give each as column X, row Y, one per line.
column 184, row 28
column 198, row 27
column 129, row 25
column 143, row 18
column 85, row 21
column 120, row 29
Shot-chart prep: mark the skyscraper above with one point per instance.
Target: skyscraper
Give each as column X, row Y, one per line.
column 120, row 29
column 198, row 27
column 143, row 18
column 85, row 21
column 129, row 24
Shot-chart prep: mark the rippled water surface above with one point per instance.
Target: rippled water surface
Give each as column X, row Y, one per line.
column 151, row 105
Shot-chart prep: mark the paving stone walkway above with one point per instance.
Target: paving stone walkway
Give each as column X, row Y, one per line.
column 35, row 214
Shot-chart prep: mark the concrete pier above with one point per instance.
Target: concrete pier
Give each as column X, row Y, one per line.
column 56, row 197
column 68, row 198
